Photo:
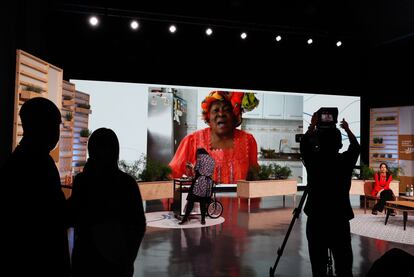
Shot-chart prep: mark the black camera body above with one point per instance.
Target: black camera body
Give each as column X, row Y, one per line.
column 327, row 118
column 326, row 135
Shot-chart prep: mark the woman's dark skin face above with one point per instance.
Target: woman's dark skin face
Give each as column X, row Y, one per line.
column 222, row 119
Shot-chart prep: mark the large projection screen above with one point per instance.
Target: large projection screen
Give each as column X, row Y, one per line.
column 126, row 108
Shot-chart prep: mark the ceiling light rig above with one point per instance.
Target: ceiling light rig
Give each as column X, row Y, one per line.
column 93, row 21
column 209, row 31
column 172, row 29
column 206, row 24
column 134, row 25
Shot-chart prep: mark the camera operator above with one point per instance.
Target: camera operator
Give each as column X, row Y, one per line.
column 328, row 206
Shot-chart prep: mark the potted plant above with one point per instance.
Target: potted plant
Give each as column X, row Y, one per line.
column 83, row 108
column 31, row 91
column 83, row 135
column 153, row 177
column 268, row 153
column 282, row 172
column 67, row 100
column 68, row 119
column 267, row 180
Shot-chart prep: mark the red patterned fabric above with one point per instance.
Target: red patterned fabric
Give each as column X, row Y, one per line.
column 230, row 164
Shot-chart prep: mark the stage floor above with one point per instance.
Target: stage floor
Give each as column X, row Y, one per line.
column 245, row 244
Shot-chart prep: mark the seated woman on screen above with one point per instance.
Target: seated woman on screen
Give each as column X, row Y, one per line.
column 234, row 151
column 382, row 189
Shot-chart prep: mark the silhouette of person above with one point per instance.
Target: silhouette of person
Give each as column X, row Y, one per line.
column 328, row 206
column 108, row 215
column 34, row 208
column 382, row 188
column 395, row 262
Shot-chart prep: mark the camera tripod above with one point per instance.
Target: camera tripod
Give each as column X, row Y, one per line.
column 296, row 213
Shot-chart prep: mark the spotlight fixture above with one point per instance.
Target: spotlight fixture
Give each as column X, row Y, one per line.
column 310, row 41
column 93, row 21
column 338, row 43
column 209, row 31
column 173, row 29
column 278, row 38
column 134, row 25
column 243, row 35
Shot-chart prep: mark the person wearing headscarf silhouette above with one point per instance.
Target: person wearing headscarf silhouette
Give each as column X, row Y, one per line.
column 107, row 211
column 200, row 190
column 34, row 212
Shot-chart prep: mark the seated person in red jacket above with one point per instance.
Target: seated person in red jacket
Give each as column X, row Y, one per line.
column 382, row 189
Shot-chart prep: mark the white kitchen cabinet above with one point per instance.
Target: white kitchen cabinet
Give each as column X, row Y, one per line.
column 293, row 107
column 273, row 106
column 277, row 106
column 258, row 111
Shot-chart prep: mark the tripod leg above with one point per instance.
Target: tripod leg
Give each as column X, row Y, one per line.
column 330, row 263
column 296, row 214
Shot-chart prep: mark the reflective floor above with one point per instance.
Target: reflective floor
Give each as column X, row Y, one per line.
column 245, row 244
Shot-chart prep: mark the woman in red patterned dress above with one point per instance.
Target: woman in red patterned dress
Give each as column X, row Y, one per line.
column 234, row 151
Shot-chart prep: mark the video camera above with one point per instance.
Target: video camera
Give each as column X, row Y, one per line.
column 327, row 117
column 326, row 134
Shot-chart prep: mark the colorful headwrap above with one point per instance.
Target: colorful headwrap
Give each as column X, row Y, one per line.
column 240, row 101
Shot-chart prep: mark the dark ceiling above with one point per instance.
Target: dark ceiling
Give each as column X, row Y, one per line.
column 375, row 35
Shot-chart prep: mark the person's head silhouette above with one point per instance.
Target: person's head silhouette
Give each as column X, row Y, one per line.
column 41, row 124
column 103, row 147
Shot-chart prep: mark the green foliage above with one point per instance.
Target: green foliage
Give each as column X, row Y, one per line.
column 366, row 172
column 134, row 169
column 269, row 172
column 34, row 88
column 84, row 133
column 68, row 116
column 146, row 170
column 268, row 153
column 84, row 106
column 155, row 171
column 282, row 172
column 396, row 171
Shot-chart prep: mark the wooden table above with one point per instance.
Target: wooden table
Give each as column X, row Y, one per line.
column 403, row 197
column 404, row 206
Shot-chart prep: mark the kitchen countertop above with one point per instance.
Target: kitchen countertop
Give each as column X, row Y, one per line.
column 291, row 157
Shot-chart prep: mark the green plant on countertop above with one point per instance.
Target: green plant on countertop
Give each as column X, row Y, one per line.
column 155, row 171
column 269, row 172
column 268, row 153
column 33, row 88
column 282, row 172
column 68, row 116
column 84, row 133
